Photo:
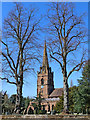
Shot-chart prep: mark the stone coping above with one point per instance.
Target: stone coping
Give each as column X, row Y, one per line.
column 44, row 116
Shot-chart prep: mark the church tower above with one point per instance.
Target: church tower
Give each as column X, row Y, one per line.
column 45, row 84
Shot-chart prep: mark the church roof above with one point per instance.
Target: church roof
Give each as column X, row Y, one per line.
column 50, row 99
column 56, row 92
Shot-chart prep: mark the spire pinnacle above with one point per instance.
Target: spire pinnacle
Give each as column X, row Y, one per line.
column 45, row 58
column 71, row 83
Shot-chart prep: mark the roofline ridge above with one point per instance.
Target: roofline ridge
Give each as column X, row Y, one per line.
column 58, row 88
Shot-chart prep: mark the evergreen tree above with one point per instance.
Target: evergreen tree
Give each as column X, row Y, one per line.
column 27, row 101
column 59, row 105
column 72, row 91
column 82, row 96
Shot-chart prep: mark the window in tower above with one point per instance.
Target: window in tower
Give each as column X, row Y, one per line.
column 43, row 69
column 42, row 81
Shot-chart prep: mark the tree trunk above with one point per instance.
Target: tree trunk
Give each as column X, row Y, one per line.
column 20, row 82
column 18, row 98
column 66, row 93
column 65, row 88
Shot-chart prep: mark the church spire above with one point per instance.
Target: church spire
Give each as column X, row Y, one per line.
column 71, row 85
column 45, row 58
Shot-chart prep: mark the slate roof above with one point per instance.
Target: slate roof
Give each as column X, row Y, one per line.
column 56, row 92
column 52, row 99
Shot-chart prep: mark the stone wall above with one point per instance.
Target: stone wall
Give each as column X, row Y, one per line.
column 45, row 117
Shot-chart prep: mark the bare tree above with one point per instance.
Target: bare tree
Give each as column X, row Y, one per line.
column 20, row 46
column 66, row 35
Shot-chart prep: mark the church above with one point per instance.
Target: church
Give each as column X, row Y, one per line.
column 45, row 85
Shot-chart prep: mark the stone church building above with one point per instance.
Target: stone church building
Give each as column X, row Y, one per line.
column 45, row 85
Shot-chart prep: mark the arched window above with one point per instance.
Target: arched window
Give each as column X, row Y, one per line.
column 42, row 81
column 43, row 107
column 48, row 108
column 52, row 107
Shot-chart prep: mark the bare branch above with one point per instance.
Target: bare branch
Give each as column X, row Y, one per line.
column 76, row 68
column 27, row 24
column 71, row 27
column 8, row 81
column 12, row 27
column 68, row 18
column 74, row 36
column 28, row 36
column 59, row 23
column 56, row 53
column 57, row 61
column 73, row 49
column 9, row 54
column 18, row 59
column 8, row 62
